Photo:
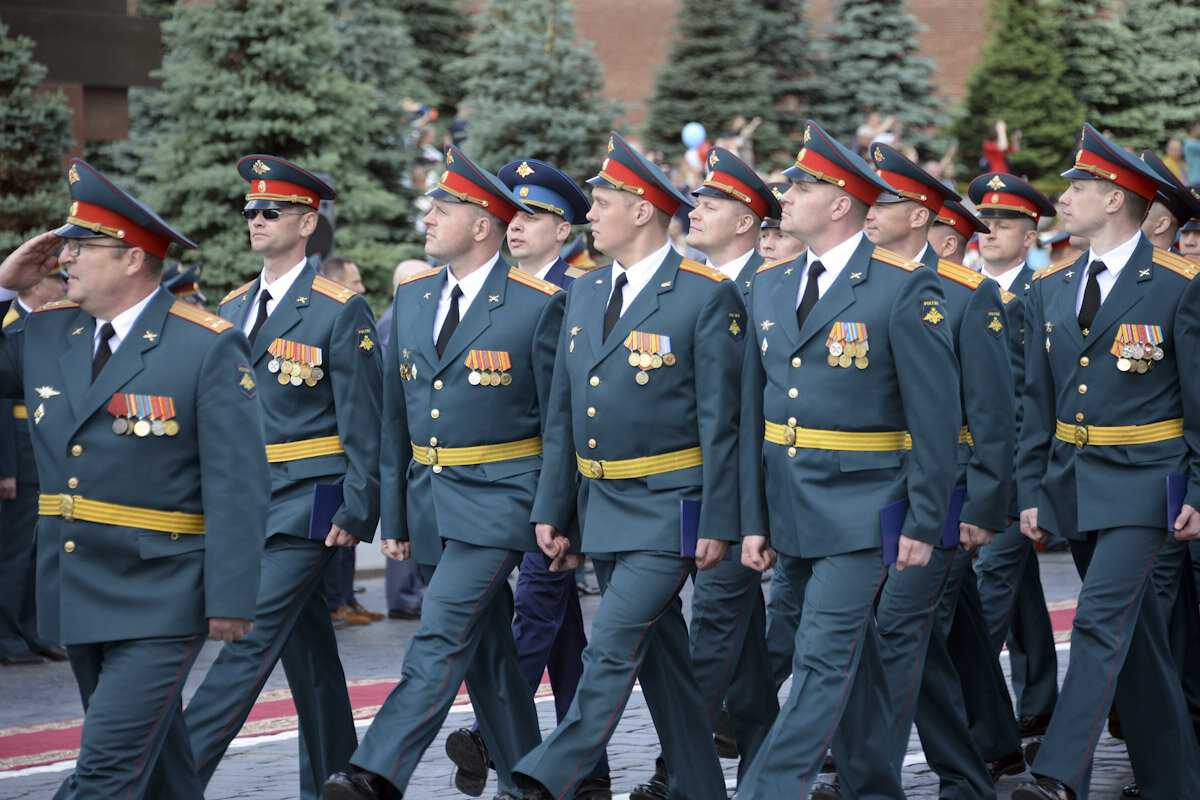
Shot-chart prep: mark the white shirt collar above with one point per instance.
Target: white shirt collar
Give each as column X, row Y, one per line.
column 544, row 271
column 278, row 289
column 1006, row 278
column 639, row 274
column 470, row 285
column 1115, row 259
column 733, row 268
column 834, row 261
column 122, row 323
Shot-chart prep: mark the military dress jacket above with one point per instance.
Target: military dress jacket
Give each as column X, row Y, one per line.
column 115, row 572
column 1080, row 463
column 1014, row 313
column 488, row 389
column 320, row 429
column 606, row 407
column 745, row 278
column 979, row 330
column 822, row 495
column 16, row 449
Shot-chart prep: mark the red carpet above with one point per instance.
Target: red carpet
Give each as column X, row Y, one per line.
column 49, row 742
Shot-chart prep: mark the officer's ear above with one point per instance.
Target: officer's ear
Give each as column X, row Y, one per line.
column 562, row 231
column 919, row 218
column 308, row 222
column 746, row 222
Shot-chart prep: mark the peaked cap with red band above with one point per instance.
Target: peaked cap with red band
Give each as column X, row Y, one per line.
column 99, row 208
column 729, row 176
column 824, row 158
column 277, row 183
column 466, row 182
column 1101, row 158
column 999, row 195
column 181, row 280
column 910, row 182
column 778, row 190
column 627, row 170
column 1179, row 199
column 956, row 215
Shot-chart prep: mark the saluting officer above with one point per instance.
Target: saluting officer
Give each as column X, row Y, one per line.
column 1110, row 410
column 313, row 348
column 643, row 406
column 846, row 319
column 470, row 360
column 127, row 387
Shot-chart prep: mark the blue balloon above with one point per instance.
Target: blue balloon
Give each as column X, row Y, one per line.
column 693, row 134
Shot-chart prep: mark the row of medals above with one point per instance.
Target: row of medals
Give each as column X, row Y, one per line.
column 482, row 377
column 1138, row 358
column 843, row 354
column 644, row 361
column 145, row 427
column 294, row 372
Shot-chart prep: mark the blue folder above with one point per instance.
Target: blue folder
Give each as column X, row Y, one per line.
column 1176, row 490
column 689, row 529
column 327, row 499
column 891, row 522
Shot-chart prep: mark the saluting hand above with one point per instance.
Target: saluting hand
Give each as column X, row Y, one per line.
column 229, row 629
column 396, row 550
column 28, row 264
column 1187, row 524
column 757, row 553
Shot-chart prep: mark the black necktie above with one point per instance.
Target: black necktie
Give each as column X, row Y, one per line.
column 263, row 299
column 613, row 312
column 103, row 352
column 1091, row 296
column 451, row 321
column 811, row 295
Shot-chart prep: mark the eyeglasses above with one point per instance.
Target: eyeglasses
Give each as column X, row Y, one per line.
column 269, row 214
column 74, row 246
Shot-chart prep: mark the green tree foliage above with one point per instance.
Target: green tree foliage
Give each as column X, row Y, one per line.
column 784, row 47
column 710, row 76
column 262, row 76
column 35, row 130
column 1019, row 80
column 874, row 63
column 1169, row 34
column 1103, row 60
column 534, row 89
column 440, row 29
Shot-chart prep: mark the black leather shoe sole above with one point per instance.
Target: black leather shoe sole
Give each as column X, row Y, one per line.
column 1011, row 764
column 341, row 786
column 470, row 756
column 723, row 736
column 594, row 789
column 1030, row 725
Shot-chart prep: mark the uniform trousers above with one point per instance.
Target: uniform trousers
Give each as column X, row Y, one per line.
column 1014, row 606
column 18, row 571
column 783, row 615
column 1119, row 629
column 465, row 634
column 638, row 634
column 836, row 673
column 133, row 718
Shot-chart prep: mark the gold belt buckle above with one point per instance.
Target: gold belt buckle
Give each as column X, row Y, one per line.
column 596, row 469
column 66, row 507
column 433, row 456
column 1081, row 436
column 789, row 435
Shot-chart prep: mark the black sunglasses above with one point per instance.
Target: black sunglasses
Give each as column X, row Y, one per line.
column 270, row 214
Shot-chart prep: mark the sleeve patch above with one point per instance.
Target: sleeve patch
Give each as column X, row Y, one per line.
column 995, row 323
column 931, row 313
column 245, row 380
column 737, row 325
column 366, row 345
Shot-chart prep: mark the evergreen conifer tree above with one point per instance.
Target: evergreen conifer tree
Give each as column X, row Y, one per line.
column 236, row 82
column 1169, row 34
column 35, row 131
column 873, row 62
column 710, row 76
column 784, row 46
column 1019, row 80
column 1103, row 61
column 440, row 31
column 534, row 89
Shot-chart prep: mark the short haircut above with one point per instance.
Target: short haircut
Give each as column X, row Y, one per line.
column 335, row 267
column 1137, row 206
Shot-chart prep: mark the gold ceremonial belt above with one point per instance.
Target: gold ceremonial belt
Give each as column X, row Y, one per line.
column 20, row 411
column 72, row 507
column 480, row 454
column 1080, row 435
column 639, row 467
column 305, row 448
column 813, row 439
column 964, row 437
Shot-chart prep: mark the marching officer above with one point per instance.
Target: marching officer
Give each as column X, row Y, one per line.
column 467, row 383
column 1110, row 404
column 313, row 350
column 845, row 319
column 127, row 387
column 643, row 406
column 953, row 229
column 183, row 282
column 774, row 244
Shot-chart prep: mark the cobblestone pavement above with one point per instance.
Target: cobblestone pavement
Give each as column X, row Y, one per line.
column 264, row 768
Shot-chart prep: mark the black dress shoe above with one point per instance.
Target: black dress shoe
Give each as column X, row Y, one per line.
column 594, row 789
column 1044, row 789
column 1031, row 750
column 466, row 749
column 410, row 612
column 1114, row 724
column 1031, row 725
column 1131, row 792
column 359, row 786
column 1011, row 764
column 21, row 659
column 723, row 735
column 828, row 765
column 827, row 789
column 657, row 788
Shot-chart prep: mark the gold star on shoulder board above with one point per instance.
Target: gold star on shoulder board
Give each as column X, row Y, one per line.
column 766, row 325
column 301, row 299
column 150, row 336
column 493, row 298
column 855, row 275
column 77, row 331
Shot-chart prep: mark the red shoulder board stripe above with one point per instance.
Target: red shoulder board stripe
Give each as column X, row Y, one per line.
column 532, row 281
column 332, row 289
column 1053, row 268
column 416, row 276
column 238, row 292
column 54, row 306
column 1180, row 265
column 200, row 317
column 959, row 274
column 688, row 265
column 773, row 264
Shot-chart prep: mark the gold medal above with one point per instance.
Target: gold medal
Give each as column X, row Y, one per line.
column 633, row 358
column 1141, row 367
column 495, row 379
column 505, row 379
column 642, row 378
column 283, row 379
column 861, row 362
column 644, row 361
column 473, row 377
column 861, row 350
column 141, row 428
column 833, row 360
column 120, row 425
column 845, row 360
column 171, row 427
column 285, row 367
column 158, row 428
column 310, row 381
column 306, row 372
column 1124, row 364
column 656, row 361
column 669, row 359
column 273, row 366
